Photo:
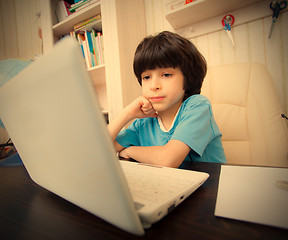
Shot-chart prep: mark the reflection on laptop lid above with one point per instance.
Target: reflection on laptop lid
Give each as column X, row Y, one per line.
column 51, row 112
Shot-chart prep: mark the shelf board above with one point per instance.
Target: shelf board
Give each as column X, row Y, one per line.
column 202, row 10
column 97, row 74
column 64, row 27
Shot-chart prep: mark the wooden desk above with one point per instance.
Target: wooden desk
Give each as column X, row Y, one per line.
column 28, row 211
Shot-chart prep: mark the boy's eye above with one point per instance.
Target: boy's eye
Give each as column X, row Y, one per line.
column 167, row 74
column 145, row 77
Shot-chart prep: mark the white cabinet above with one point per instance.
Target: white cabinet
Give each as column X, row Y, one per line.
column 123, row 27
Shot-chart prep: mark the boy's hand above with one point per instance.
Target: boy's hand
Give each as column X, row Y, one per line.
column 141, row 108
column 123, row 154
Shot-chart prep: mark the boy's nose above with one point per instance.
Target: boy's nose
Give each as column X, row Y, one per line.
column 155, row 84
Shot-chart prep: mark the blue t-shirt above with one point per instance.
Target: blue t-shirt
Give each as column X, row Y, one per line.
column 194, row 125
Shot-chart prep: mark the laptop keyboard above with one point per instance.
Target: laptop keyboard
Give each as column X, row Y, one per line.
column 147, row 185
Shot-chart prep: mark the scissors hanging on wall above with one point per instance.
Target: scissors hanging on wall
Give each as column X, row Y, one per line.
column 227, row 23
column 276, row 8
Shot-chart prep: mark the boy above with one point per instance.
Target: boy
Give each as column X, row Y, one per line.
column 174, row 123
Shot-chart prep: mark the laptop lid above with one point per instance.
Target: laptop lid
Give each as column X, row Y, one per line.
column 57, row 127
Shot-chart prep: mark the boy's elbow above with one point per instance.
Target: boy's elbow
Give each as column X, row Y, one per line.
column 170, row 165
column 168, row 160
column 173, row 153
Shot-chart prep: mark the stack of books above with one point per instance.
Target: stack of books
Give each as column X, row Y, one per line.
column 81, row 5
column 90, row 39
column 65, row 9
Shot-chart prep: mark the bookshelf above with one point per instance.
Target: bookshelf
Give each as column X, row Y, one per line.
column 200, row 10
column 65, row 26
column 123, row 27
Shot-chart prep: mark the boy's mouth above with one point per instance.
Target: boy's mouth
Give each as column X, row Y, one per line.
column 156, row 99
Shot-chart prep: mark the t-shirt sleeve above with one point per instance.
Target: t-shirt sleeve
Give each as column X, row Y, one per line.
column 195, row 127
column 130, row 136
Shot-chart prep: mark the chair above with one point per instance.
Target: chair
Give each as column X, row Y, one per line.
column 247, row 110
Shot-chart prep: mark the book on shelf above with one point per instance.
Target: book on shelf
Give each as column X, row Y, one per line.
column 91, row 48
column 62, row 10
column 83, row 45
column 100, row 46
column 81, row 5
column 89, row 36
column 97, row 46
column 91, row 44
column 90, row 22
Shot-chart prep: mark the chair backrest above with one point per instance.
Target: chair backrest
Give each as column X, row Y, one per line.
column 248, row 112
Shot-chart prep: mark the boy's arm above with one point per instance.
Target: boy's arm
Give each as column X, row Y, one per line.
column 170, row 155
column 115, row 127
column 139, row 108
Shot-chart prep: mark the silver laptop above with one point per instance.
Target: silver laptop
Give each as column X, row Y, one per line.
column 51, row 112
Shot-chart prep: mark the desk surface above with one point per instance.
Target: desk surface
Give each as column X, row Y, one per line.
column 28, row 211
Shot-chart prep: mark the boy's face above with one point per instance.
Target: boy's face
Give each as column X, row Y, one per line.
column 164, row 88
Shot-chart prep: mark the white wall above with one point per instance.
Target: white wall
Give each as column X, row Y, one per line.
column 19, row 38
column 19, row 27
column 251, row 41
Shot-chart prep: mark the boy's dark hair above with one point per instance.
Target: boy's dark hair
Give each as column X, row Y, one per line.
column 168, row 49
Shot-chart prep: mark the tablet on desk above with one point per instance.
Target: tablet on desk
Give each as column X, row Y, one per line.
column 253, row 194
